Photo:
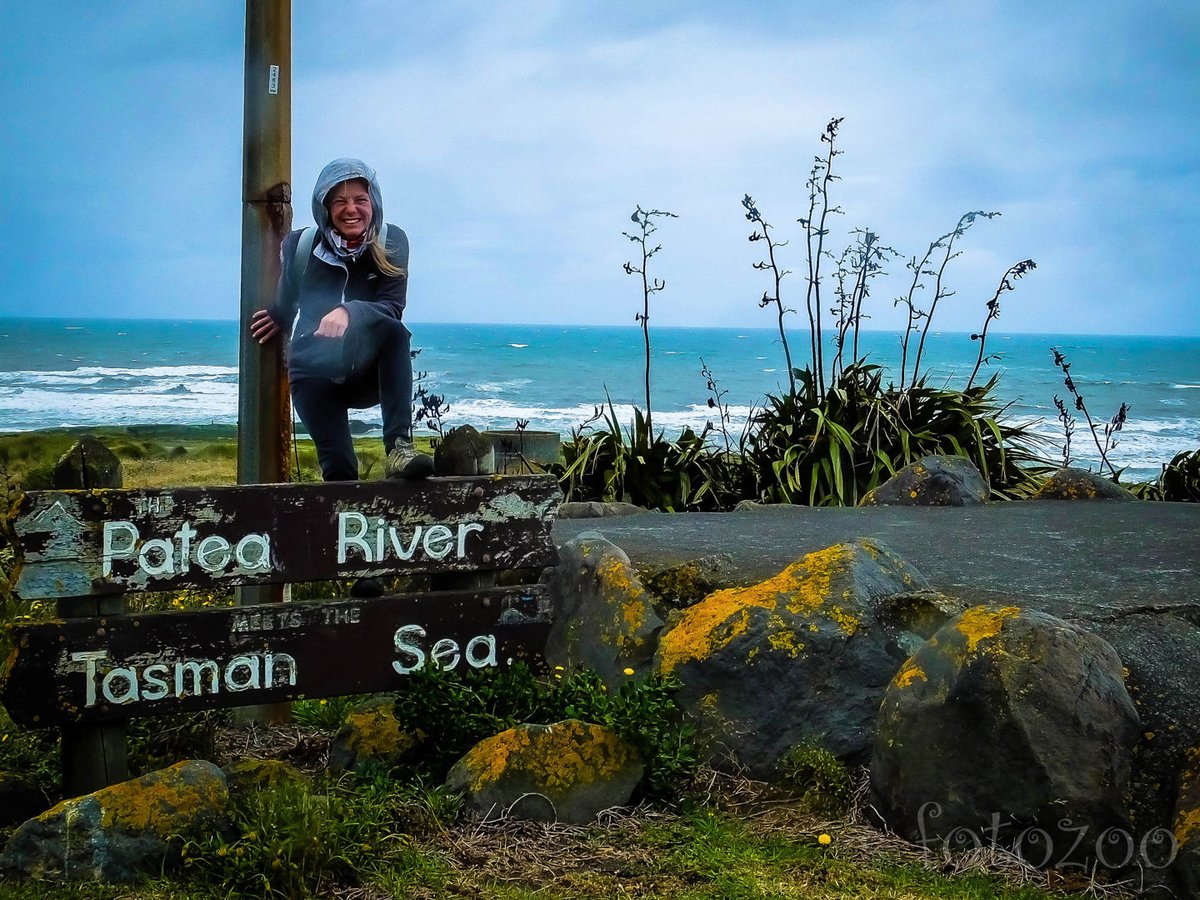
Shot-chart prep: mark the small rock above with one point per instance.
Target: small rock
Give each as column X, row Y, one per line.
column 932, row 481
column 1078, row 484
column 594, row 509
column 370, row 734
column 120, row 831
column 798, row 658
column 569, row 772
column 1012, row 714
column 248, row 775
column 603, row 617
column 19, row 800
column 464, row 451
column 89, row 464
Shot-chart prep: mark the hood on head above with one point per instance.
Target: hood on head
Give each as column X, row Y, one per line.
column 334, row 174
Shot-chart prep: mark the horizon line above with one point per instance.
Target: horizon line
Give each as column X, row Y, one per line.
column 626, row 327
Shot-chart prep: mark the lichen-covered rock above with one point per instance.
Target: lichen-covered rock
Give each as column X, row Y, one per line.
column 18, row 800
column 1186, row 830
column 1079, row 484
column 370, row 734
column 799, row 658
column 89, row 464
column 464, row 451
column 120, row 831
column 1161, row 656
column 603, row 616
column 932, row 481
column 1007, row 713
column 248, row 775
column 569, row 771
column 689, row 581
column 594, row 509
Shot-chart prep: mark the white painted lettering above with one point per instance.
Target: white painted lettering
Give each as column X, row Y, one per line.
column 184, row 535
column 439, row 540
column 398, row 545
column 269, row 668
column 165, row 566
column 380, row 537
column 213, row 553
column 250, row 665
column 155, row 686
column 402, row 640
column 261, row 558
column 110, row 549
column 347, row 539
column 89, row 658
column 487, row 641
column 130, row 695
column 196, row 669
column 463, row 530
column 445, row 653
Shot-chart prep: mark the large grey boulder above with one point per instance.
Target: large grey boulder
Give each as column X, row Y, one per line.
column 1006, row 716
column 118, row 832
column 800, row 657
column 1079, row 484
column 1161, row 656
column 932, row 481
column 568, row 772
column 89, row 464
column 595, row 509
column 603, row 616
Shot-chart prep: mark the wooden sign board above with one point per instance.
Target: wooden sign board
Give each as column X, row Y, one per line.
column 117, row 667
column 80, row 543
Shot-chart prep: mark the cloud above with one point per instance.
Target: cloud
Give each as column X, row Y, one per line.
column 514, row 139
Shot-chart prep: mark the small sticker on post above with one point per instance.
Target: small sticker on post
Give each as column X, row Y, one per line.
column 273, row 85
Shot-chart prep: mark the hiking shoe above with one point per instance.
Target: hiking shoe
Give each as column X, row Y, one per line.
column 405, row 462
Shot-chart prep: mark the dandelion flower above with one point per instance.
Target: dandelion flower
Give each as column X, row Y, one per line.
column 628, row 671
column 824, row 839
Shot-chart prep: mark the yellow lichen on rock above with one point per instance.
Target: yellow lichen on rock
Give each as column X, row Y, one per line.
column 157, row 802
column 909, row 673
column 982, row 622
column 803, row 589
column 556, row 756
column 376, row 734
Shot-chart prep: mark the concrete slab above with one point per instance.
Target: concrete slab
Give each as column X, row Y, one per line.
column 1083, row 560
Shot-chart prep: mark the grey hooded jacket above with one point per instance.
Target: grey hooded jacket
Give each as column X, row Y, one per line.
column 336, row 277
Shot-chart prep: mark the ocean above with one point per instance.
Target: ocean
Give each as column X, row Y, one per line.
column 80, row 372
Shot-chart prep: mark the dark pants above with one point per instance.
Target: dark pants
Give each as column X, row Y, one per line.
column 322, row 403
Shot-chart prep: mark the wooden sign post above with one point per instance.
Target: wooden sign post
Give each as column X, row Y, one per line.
column 103, row 543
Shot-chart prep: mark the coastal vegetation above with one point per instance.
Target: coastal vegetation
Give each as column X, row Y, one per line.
column 844, row 425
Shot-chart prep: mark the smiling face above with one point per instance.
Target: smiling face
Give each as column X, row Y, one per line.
column 350, row 209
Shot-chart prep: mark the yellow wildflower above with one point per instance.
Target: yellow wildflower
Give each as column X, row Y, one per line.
column 628, row 671
column 824, row 839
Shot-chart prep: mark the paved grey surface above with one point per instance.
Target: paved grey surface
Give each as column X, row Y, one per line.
column 1074, row 559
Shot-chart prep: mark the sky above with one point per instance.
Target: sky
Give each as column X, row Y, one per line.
column 513, row 140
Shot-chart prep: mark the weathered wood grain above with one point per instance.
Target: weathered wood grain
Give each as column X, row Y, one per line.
column 78, row 543
column 117, row 667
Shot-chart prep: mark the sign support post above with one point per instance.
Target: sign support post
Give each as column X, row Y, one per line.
column 264, row 414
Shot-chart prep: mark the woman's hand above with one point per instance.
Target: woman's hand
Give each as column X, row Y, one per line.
column 262, row 326
column 334, row 324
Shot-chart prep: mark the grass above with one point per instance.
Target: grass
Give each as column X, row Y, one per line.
column 154, row 456
column 696, row 856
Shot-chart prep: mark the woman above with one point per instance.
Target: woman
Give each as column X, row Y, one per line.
column 342, row 291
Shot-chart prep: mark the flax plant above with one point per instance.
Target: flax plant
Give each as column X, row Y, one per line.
column 644, row 219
